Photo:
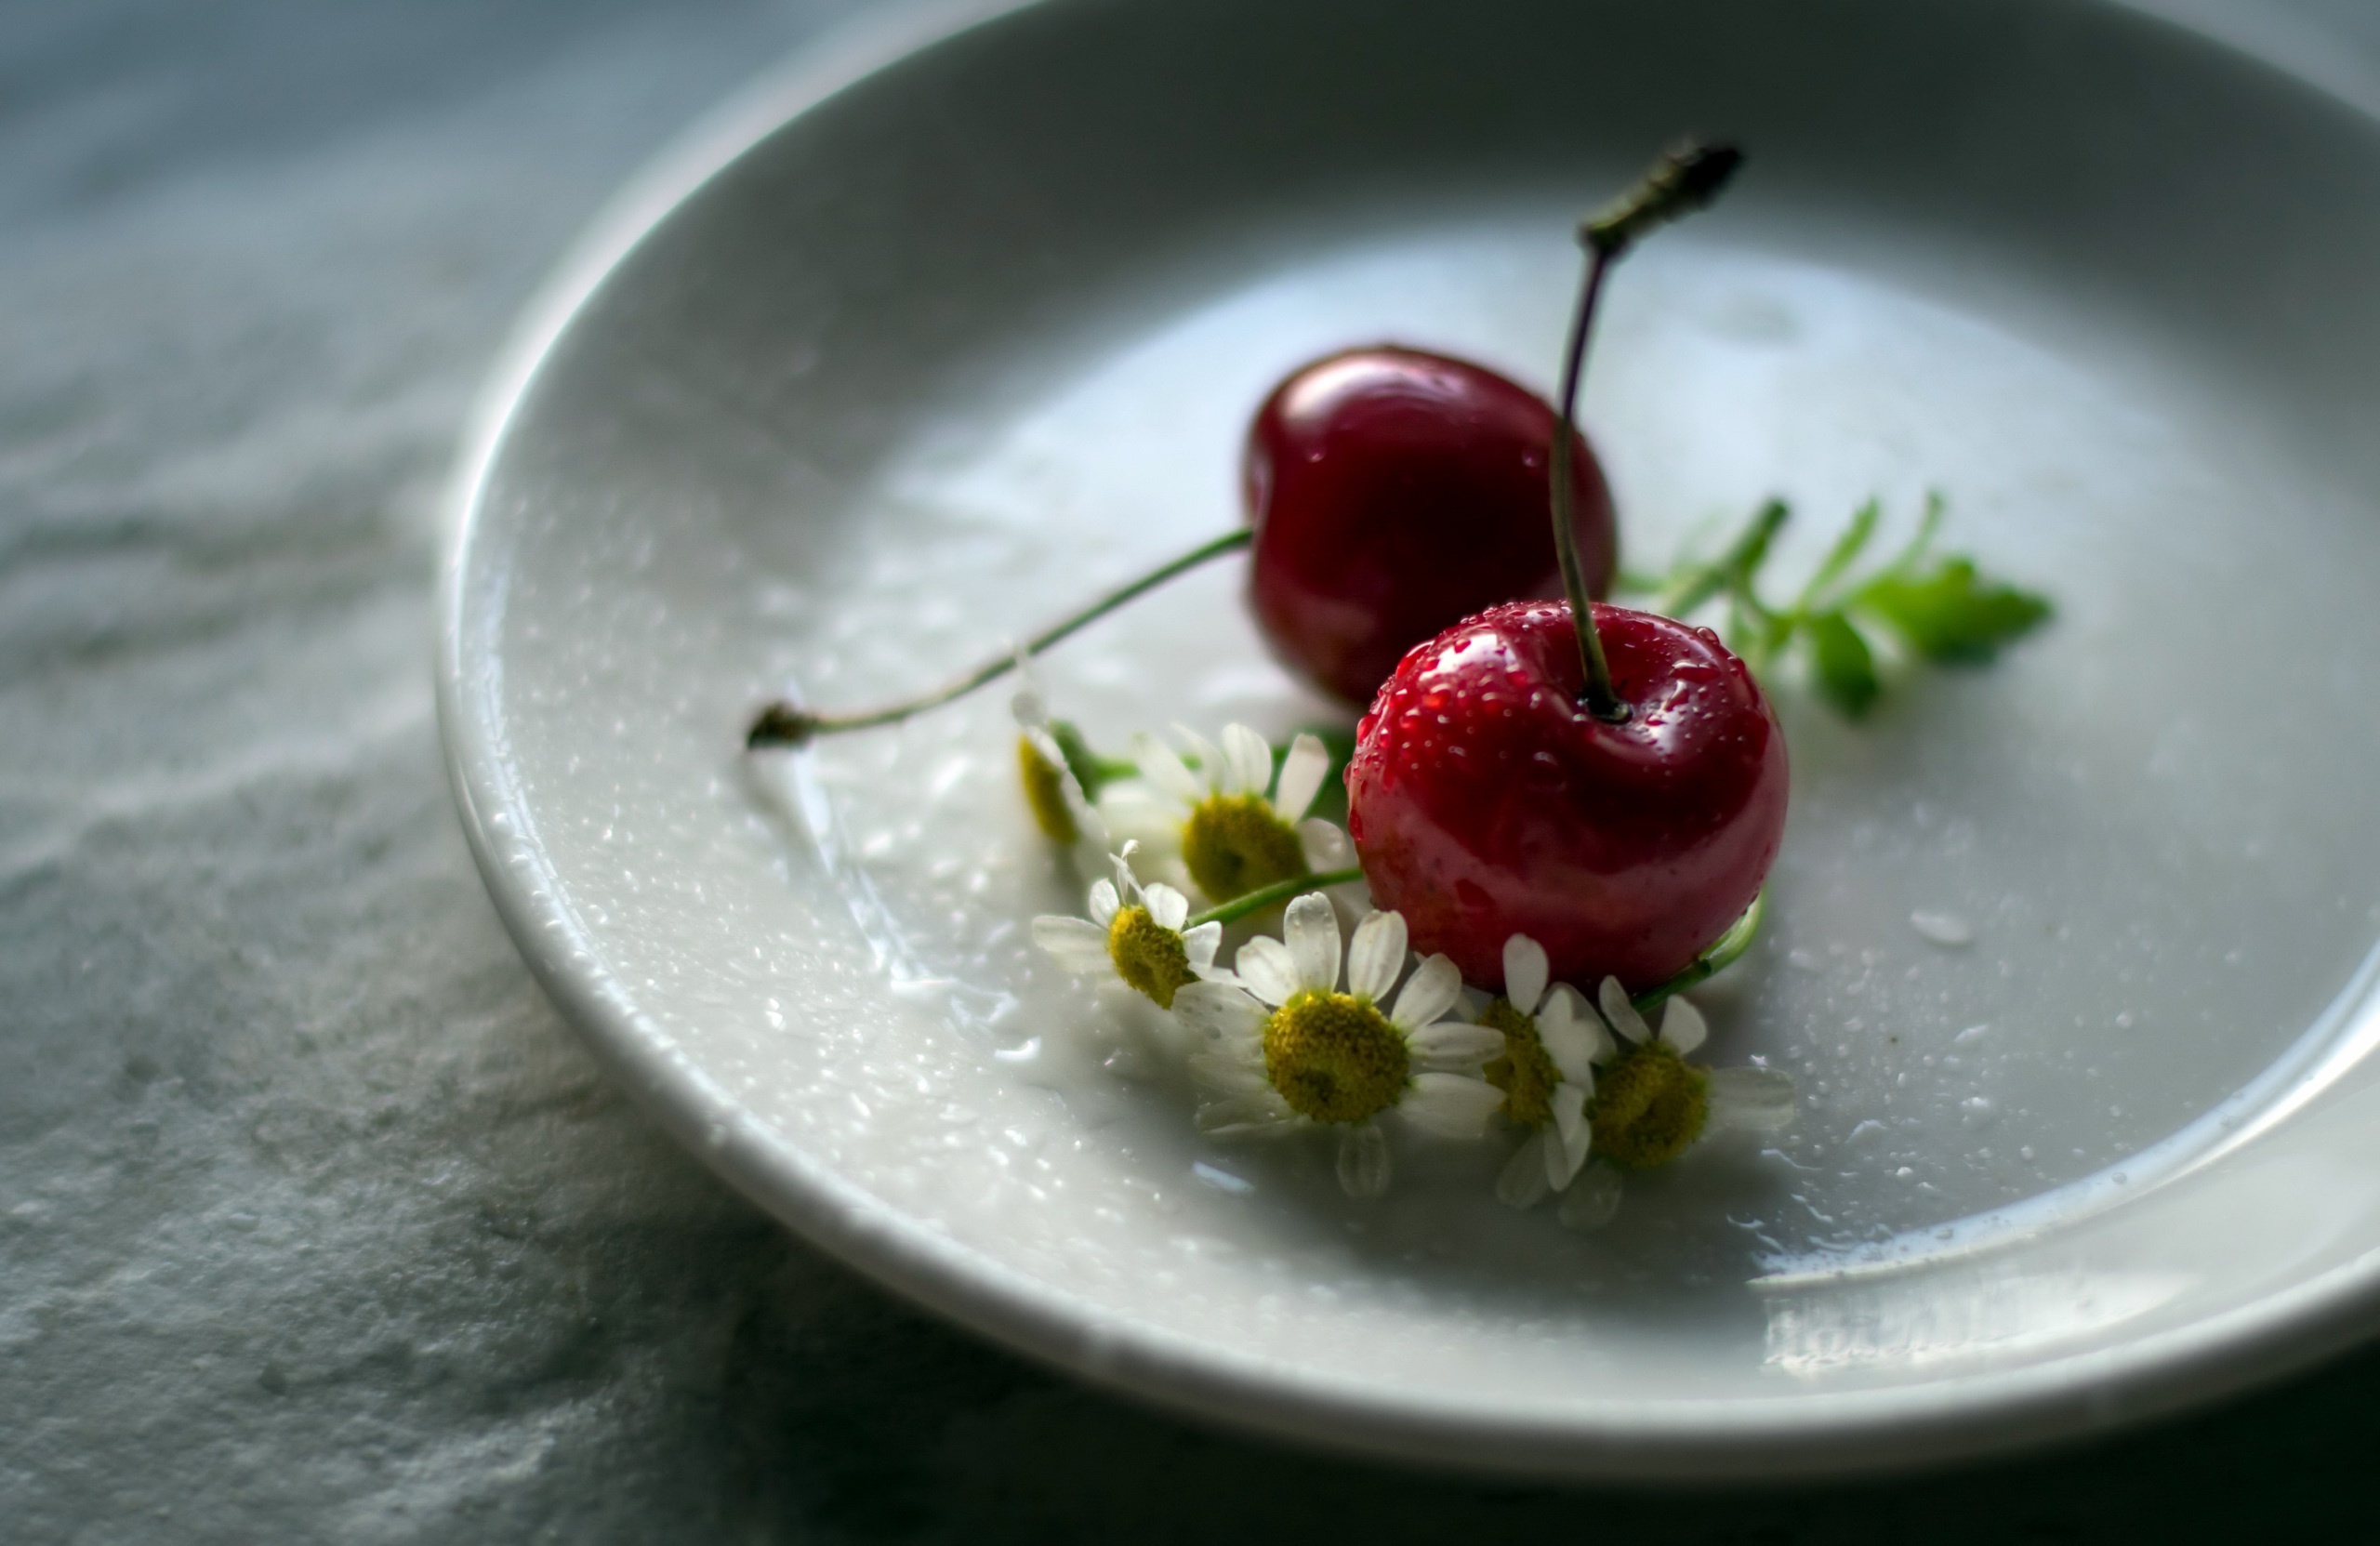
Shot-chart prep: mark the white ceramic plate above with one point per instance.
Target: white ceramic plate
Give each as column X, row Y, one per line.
column 902, row 361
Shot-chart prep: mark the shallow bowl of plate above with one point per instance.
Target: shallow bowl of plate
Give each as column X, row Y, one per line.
column 929, row 339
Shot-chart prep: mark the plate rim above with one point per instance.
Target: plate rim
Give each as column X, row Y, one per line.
column 1805, row 1435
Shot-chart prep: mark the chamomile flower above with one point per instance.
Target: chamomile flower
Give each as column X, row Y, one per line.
column 1229, row 827
column 1650, row 1104
column 1546, row 1071
column 1135, row 934
column 1289, row 1049
column 1053, row 793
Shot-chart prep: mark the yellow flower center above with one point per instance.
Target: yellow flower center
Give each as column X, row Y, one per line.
column 1234, row 844
column 1525, row 1074
column 1148, row 956
column 1648, row 1108
column 1045, row 792
column 1334, row 1057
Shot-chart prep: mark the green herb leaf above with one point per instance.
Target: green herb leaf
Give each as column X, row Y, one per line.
column 1951, row 613
column 1731, row 570
column 1847, row 669
column 1839, row 557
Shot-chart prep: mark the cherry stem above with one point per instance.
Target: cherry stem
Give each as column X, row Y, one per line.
column 1686, row 177
column 783, row 725
column 1722, row 955
column 1279, row 890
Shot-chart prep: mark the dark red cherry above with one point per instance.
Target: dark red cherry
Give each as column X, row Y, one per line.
column 1394, row 494
column 1485, row 801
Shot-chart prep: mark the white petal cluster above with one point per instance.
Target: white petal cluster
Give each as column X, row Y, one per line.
column 1081, row 946
column 1443, row 1096
column 1437, row 1087
column 1549, row 1158
column 1030, row 709
column 1153, row 807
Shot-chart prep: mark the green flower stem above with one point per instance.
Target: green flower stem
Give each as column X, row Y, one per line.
column 1091, row 771
column 1264, row 897
column 1722, row 955
column 782, row 725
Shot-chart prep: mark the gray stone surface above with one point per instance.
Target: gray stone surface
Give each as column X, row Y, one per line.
column 314, row 1223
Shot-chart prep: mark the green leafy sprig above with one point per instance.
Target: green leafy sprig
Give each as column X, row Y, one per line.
column 1938, row 607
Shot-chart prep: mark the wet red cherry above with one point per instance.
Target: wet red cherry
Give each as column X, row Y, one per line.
column 1394, row 494
column 1485, row 801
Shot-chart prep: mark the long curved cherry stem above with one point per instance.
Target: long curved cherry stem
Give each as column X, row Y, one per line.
column 1279, row 890
column 1686, row 177
column 783, row 724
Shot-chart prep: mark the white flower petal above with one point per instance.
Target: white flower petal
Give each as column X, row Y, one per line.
column 1750, row 1100
column 1683, row 1027
column 1227, row 1075
column 1302, row 771
column 1523, row 1181
column 1134, row 812
column 1104, row 902
column 1573, row 1134
column 1163, row 769
column 1248, row 761
column 1078, row 946
column 1376, row 956
column 1261, row 1114
column 1047, row 746
column 1029, row 707
column 1211, row 769
column 1429, row 993
column 1524, row 972
column 1601, row 1045
column 1618, row 1013
column 1268, row 970
column 1567, row 1038
column 1173, row 872
column 1554, row 1160
column 1592, row 1199
column 1451, row 1105
column 1090, row 835
column 1090, row 852
column 1221, row 1011
column 1128, row 885
column 1570, row 1103
column 1454, row 1046
column 1267, row 1129
column 1168, row 908
column 1325, row 845
column 1363, row 1161
column 1311, row 930
column 1199, row 946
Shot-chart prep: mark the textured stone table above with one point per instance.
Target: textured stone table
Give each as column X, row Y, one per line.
column 314, row 1222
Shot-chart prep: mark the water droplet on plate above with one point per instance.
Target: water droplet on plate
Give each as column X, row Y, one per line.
column 1948, row 930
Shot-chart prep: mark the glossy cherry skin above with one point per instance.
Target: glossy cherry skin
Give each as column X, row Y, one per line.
column 1485, row 801
column 1394, row 494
